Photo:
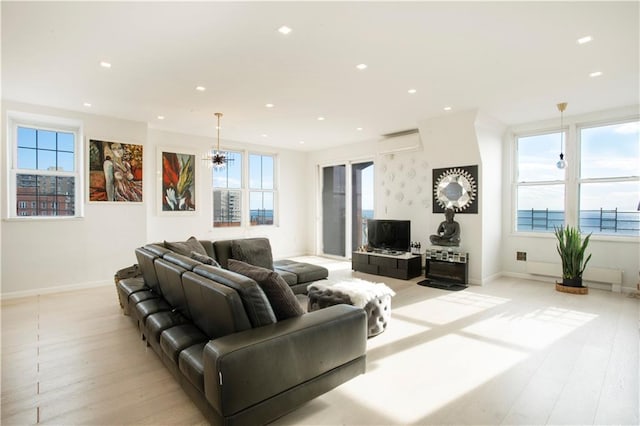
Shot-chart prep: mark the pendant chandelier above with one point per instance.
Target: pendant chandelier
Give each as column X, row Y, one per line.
column 215, row 157
column 562, row 163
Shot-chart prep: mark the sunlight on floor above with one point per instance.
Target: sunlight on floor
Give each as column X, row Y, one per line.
column 449, row 307
column 417, row 396
column 533, row 330
column 477, row 336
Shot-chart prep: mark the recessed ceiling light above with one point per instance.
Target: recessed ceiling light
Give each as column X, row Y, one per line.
column 269, row 105
column 264, row 135
column 105, row 64
column 320, row 118
column 87, row 104
column 412, row 91
column 359, row 129
column 447, row 108
column 361, row 66
column 585, row 39
column 284, row 30
column 595, row 74
column 301, row 142
column 201, row 88
column 161, row 117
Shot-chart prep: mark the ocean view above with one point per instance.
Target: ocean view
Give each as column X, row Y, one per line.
column 595, row 221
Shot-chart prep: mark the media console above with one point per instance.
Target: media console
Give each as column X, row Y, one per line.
column 403, row 266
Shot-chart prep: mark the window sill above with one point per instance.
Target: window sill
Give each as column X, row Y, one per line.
column 42, row 218
column 594, row 237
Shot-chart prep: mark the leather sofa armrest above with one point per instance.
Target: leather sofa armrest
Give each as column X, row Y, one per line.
column 245, row 368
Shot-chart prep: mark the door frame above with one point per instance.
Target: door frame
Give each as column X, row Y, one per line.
column 348, row 204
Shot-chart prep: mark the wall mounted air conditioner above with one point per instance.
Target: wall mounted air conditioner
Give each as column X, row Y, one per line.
column 407, row 140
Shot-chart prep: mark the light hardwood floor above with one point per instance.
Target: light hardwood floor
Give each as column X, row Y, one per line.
column 510, row 352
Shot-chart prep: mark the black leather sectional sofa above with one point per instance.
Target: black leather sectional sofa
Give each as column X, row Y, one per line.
column 216, row 332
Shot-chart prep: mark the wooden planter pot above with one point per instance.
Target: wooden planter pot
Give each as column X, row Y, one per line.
column 572, row 286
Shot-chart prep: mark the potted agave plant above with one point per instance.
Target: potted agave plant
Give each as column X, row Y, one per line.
column 571, row 248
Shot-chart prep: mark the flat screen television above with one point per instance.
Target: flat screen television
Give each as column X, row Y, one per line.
column 386, row 235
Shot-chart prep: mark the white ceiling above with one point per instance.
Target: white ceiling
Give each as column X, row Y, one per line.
column 512, row 60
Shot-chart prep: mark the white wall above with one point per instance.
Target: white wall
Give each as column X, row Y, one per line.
column 450, row 141
column 608, row 252
column 40, row 256
column 490, row 135
column 287, row 238
column 403, row 182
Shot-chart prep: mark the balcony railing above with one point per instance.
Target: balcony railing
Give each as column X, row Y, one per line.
column 613, row 222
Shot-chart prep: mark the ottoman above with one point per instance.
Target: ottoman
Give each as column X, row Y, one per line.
column 374, row 298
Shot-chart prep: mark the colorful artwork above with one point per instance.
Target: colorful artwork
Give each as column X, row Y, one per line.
column 178, row 182
column 115, row 171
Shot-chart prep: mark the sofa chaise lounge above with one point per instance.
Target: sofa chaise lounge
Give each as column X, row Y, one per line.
column 216, row 332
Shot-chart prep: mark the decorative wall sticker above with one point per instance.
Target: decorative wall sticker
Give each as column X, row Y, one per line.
column 402, row 177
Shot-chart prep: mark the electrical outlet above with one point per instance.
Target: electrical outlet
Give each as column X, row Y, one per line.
column 521, row 255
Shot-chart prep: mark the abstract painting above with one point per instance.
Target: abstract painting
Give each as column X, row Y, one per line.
column 115, row 171
column 178, row 182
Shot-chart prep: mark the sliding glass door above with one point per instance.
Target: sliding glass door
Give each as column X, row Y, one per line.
column 347, row 201
column 333, row 210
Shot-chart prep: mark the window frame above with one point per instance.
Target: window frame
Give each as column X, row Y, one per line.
column 16, row 119
column 580, row 181
column 517, row 184
column 227, row 189
column 246, row 190
column 273, row 190
column 573, row 179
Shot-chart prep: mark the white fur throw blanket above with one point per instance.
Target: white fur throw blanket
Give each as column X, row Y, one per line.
column 359, row 291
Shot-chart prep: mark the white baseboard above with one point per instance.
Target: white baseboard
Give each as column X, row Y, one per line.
column 615, row 288
column 57, row 289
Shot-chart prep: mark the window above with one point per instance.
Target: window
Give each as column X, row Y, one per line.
column 227, row 192
column 609, row 184
column 261, row 189
column 540, row 185
column 44, row 166
column 599, row 191
column 244, row 183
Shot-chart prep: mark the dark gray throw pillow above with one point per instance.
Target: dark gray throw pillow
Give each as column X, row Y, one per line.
column 254, row 251
column 203, row 258
column 283, row 301
column 185, row 248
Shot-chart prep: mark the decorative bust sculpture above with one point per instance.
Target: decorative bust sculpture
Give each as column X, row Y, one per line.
column 448, row 233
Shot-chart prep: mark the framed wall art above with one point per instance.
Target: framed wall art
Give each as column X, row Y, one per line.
column 115, row 172
column 456, row 188
column 178, row 188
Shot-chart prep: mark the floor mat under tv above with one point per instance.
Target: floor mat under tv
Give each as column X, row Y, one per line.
column 442, row 285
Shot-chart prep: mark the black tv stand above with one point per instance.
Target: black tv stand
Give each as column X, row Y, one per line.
column 402, row 265
column 389, row 252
